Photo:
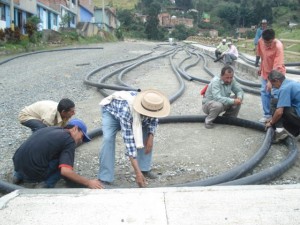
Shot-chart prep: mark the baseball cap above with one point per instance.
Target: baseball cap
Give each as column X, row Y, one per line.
column 81, row 125
column 223, row 40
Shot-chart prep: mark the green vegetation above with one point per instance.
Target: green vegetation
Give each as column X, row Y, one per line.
column 122, row 4
column 27, row 44
column 225, row 15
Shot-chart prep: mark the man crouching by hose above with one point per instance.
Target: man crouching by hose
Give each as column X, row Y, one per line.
column 218, row 98
column 135, row 114
column 48, row 155
column 287, row 112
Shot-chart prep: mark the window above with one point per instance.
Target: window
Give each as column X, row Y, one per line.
column 2, row 11
column 54, row 20
column 72, row 18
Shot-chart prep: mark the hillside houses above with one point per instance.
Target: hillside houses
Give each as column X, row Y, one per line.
column 53, row 14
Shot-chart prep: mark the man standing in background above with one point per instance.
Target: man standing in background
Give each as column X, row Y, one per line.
column 270, row 50
column 257, row 37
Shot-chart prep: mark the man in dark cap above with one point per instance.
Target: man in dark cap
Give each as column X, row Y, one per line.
column 48, row 154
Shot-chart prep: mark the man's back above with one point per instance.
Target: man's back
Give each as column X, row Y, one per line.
column 46, row 144
column 45, row 111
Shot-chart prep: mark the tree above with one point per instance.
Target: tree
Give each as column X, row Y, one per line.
column 181, row 32
column 126, row 17
column 151, row 28
column 184, row 4
column 65, row 20
column 229, row 12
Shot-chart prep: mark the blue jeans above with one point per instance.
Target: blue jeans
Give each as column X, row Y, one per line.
column 51, row 178
column 229, row 58
column 110, row 127
column 265, row 99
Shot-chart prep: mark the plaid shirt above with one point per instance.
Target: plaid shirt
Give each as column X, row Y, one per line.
column 121, row 111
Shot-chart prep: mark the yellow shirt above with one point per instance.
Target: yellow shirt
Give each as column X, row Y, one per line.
column 46, row 111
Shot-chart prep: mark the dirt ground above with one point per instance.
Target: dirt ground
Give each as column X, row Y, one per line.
column 183, row 152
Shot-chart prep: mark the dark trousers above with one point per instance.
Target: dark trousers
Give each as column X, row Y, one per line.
column 291, row 121
column 51, row 178
column 34, row 125
column 218, row 53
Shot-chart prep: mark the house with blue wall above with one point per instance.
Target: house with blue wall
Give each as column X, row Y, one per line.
column 106, row 19
column 50, row 12
column 16, row 14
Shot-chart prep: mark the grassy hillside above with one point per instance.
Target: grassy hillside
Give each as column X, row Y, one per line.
column 122, row 4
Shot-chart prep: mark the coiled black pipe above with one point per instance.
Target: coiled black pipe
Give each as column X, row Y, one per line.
column 292, row 71
column 223, row 120
column 245, row 88
column 272, row 172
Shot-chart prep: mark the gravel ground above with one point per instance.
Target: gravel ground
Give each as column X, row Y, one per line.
column 183, row 151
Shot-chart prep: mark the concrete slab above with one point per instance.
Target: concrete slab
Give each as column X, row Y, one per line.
column 163, row 206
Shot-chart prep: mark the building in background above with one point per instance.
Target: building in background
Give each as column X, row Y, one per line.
column 86, row 11
column 53, row 14
column 168, row 21
column 16, row 13
column 106, row 19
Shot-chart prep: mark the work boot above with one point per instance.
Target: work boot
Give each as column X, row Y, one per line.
column 279, row 135
column 209, row 125
column 257, row 61
column 149, row 174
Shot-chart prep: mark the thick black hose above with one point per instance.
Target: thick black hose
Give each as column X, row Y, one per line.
column 8, row 187
column 292, row 71
column 46, row 51
column 243, row 169
column 272, row 172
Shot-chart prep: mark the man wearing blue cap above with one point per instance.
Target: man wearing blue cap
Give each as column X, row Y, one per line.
column 49, row 154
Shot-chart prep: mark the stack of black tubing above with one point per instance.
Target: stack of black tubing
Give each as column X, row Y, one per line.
column 236, row 175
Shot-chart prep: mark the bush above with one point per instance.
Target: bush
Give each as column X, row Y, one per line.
column 31, row 29
column 2, row 35
column 12, row 36
column 119, row 34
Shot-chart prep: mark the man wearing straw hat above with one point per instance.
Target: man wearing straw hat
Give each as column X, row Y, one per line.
column 135, row 114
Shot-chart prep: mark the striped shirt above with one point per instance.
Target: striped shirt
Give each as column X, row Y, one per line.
column 121, row 111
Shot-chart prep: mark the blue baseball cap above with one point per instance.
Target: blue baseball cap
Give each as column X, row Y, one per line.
column 81, row 125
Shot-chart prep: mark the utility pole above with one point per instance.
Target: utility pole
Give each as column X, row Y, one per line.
column 103, row 12
column 12, row 15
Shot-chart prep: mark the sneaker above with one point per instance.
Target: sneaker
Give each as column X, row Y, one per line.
column 265, row 119
column 280, row 135
column 16, row 180
column 149, row 174
column 209, row 125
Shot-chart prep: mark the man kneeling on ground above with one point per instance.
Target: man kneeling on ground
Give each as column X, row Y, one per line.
column 288, row 106
column 218, row 98
column 49, row 154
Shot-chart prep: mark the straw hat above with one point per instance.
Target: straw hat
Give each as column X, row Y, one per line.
column 152, row 103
